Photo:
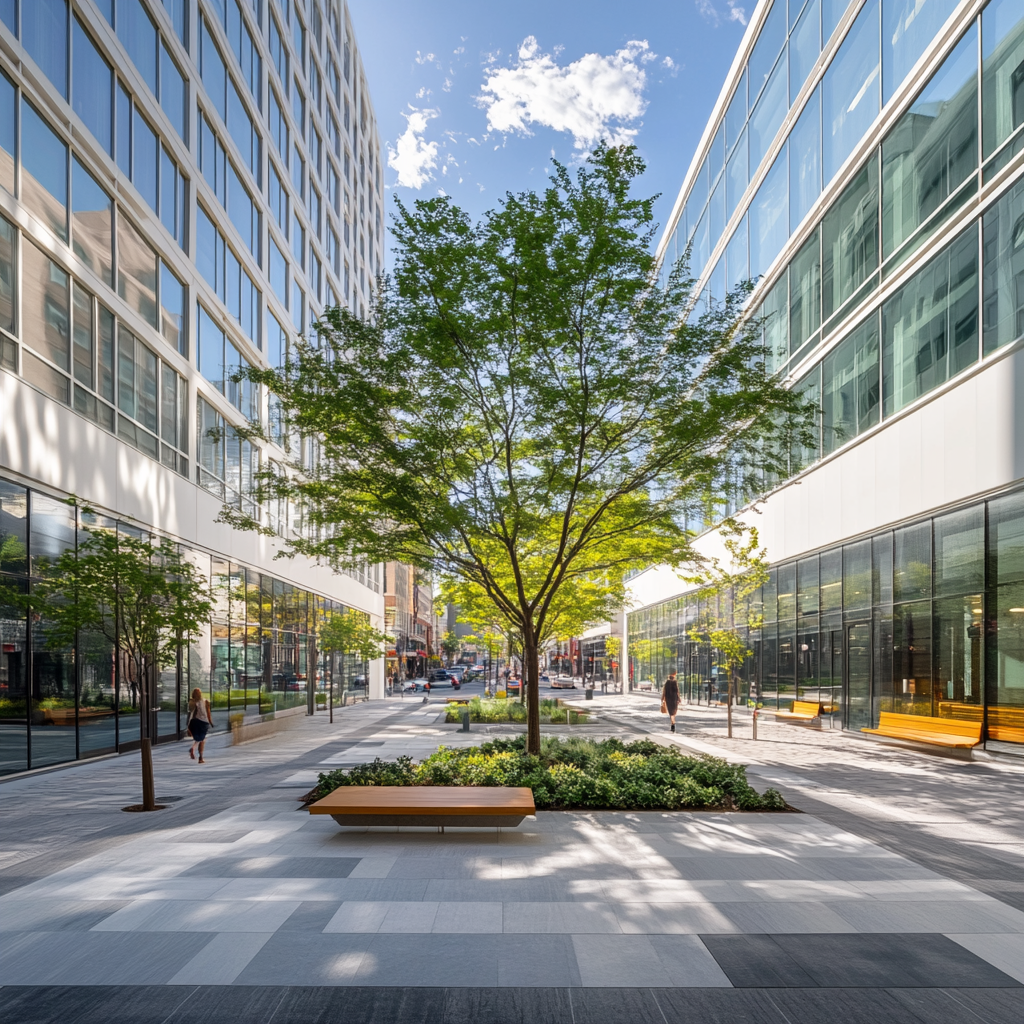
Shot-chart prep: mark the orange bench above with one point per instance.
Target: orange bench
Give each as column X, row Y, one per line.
column 486, row 806
column 955, row 733
column 1006, row 724
column 801, row 711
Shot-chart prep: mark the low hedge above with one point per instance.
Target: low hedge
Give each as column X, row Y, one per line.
column 513, row 710
column 574, row 774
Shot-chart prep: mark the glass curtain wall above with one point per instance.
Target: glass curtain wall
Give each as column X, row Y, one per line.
column 58, row 704
column 926, row 619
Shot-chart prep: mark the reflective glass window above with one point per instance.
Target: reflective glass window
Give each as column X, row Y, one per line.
column 1004, row 270
column 736, row 115
column 805, row 293
column 8, row 121
column 769, row 217
column 47, row 306
column 44, row 167
column 212, row 70
column 805, row 161
column 908, row 26
column 136, row 271
column 959, row 552
column 805, row 449
column 8, row 275
column 736, row 174
column 737, row 270
column 768, row 115
column 776, row 325
column 857, row 575
column 172, row 310
column 804, row 47
column 1002, row 76
column 933, row 148
column 831, row 12
column 173, row 92
column 145, row 159
column 930, row 326
column 770, row 41
column 881, row 568
column 1005, row 651
column 92, row 216
column 912, row 562
column 44, row 34
column 138, row 34
column 716, row 215
column 787, row 591
column 92, row 84
column 278, row 273
column 850, row 90
column 850, row 386
column 850, row 239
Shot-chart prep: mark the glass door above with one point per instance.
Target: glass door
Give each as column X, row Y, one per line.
column 858, row 675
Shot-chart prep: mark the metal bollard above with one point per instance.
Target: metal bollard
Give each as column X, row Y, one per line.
column 465, row 719
column 755, row 723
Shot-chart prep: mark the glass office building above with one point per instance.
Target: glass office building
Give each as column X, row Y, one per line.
column 864, row 166
column 184, row 186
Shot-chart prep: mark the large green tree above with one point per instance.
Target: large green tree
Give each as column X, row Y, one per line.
column 527, row 406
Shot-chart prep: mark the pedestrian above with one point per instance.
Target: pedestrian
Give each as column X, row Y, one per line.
column 670, row 699
column 200, row 721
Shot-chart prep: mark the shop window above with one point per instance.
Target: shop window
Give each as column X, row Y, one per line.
column 959, row 552
column 933, row 148
column 912, row 562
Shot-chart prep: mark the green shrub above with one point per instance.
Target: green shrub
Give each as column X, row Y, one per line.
column 574, row 773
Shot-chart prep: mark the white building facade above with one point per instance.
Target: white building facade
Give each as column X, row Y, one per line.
column 864, row 165
column 184, row 186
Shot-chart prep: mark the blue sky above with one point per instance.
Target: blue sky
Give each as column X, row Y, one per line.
column 476, row 97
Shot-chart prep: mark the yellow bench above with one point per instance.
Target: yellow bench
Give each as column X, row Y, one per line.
column 1006, row 724
column 488, row 806
column 944, row 732
column 457, row 700
column 801, row 711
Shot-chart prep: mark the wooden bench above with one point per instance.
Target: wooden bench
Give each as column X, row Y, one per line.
column 954, row 733
column 457, row 700
column 483, row 806
column 1006, row 724
column 801, row 711
column 66, row 716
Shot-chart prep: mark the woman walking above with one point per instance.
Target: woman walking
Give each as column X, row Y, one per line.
column 200, row 720
column 670, row 699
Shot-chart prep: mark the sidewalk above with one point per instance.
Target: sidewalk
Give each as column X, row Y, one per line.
column 235, row 905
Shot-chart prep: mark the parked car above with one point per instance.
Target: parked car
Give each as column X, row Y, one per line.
column 440, row 677
column 563, row 683
column 475, row 672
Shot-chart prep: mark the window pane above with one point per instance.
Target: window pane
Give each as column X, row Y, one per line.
column 737, row 269
column 146, row 384
column 106, row 354
column 805, row 161
column 43, row 376
column 210, row 350
column 243, row 213
column 83, row 347
column 736, row 115
column 769, row 217
column 44, row 34
column 172, row 92
column 857, row 576
column 138, row 35
column 207, row 249
column 850, row 391
column 91, row 223
column 805, row 294
column 92, row 88
column 125, row 370
column 8, row 122
column 930, row 326
column 47, row 312
column 908, row 26
column 770, row 41
column 768, row 115
column 776, row 330
column 169, row 405
column 212, row 71
column 1004, row 270
column 736, row 175
column 850, row 239
column 136, row 271
column 1002, row 79
column 172, row 304
column 44, row 165
column 145, row 157
column 960, row 552
column 850, row 90
column 123, row 131
column 933, row 148
column 804, row 47
column 912, row 562
column 8, row 273
column 168, row 192
column 278, row 273
column 912, row 657
column 242, row 131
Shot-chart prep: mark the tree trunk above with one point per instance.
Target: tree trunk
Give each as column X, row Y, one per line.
column 532, row 667
column 146, row 744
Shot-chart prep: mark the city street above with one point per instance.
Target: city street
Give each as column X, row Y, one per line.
column 895, row 896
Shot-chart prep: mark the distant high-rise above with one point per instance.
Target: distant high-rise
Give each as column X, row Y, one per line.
column 864, row 166
column 183, row 187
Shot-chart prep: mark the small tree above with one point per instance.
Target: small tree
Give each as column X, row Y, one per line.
column 613, row 648
column 142, row 596
column 450, row 645
column 351, row 632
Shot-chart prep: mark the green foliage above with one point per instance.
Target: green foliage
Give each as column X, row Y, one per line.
column 511, row 710
column 575, row 773
column 351, row 632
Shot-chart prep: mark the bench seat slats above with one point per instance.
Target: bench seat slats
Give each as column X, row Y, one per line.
column 804, row 710
column 943, row 732
column 481, row 802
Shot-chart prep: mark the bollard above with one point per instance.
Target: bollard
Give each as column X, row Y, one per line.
column 755, row 723
column 588, row 694
column 465, row 719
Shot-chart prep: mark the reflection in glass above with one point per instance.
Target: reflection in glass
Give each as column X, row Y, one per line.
column 933, row 148
column 804, row 47
column 804, row 294
column 850, row 91
column 92, row 82
column 850, row 239
column 8, row 273
column 850, row 392
column 912, row 562
column 1004, row 269
column 770, row 41
column 736, row 175
column 44, row 171
column 44, row 34
column 47, row 310
column 776, row 325
column 908, row 26
column 1002, row 76
column 805, row 161
column 959, row 551
column 769, row 217
column 857, row 576
column 8, row 123
column 91, row 223
column 736, row 115
column 930, row 326
column 136, row 271
column 768, row 115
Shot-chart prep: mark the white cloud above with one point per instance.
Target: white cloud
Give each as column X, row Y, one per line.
column 709, row 12
column 594, row 98
column 425, row 58
column 737, row 13
column 411, row 156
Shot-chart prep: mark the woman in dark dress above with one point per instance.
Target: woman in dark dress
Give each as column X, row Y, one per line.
column 670, row 699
